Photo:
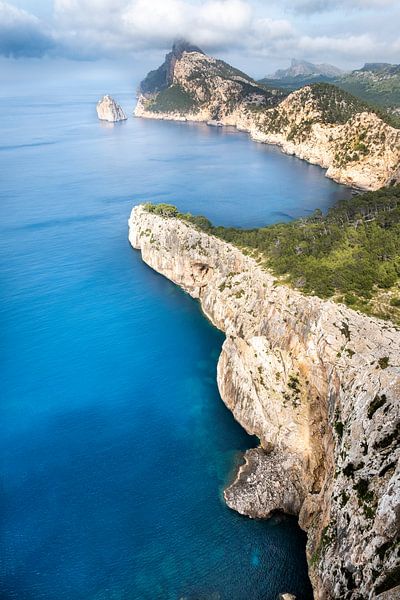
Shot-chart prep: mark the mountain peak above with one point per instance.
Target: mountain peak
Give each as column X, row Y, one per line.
column 303, row 68
column 181, row 45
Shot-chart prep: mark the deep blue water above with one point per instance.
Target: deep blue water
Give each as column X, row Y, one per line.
column 115, row 445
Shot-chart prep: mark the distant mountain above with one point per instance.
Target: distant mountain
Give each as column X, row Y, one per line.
column 302, row 68
column 301, row 73
column 376, row 83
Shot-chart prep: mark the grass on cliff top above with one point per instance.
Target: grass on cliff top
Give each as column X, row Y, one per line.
column 352, row 254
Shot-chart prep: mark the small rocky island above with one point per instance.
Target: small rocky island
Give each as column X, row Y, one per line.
column 109, row 110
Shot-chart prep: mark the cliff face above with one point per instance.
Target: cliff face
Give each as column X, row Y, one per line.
column 109, row 110
column 319, row 385
column 320, row 123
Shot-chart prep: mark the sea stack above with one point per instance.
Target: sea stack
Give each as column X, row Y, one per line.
column 109, row 110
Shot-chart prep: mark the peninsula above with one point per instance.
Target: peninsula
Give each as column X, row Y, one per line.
column 310, row 311
column 320, row 123
column 318, row 383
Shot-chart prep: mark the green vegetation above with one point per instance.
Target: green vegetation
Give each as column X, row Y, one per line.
column 295, row 83
column 381, row 87
column 328, row 536
column 378, row 91
column 337, row 106
column 383, row 362
column 173, row 98
column 352, row 254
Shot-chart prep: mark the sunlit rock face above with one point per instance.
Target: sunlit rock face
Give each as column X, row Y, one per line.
column 318, row 123
column 109, row 110
column 319, row 384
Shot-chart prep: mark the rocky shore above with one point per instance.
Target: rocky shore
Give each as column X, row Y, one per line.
column 320, row 124
column 319, row 384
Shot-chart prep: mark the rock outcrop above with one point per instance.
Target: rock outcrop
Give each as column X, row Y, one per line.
column 319, row 384
column 318, row 123
column 109, row 110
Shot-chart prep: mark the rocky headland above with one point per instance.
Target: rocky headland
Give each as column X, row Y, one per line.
column 319, row 123
column 319, row 384
column 109, row 110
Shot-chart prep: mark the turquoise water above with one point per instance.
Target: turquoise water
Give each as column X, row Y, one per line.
column 115, row 445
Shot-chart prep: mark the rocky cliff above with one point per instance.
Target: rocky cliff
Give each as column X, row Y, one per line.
column 319, row 385
column 318, row 123
column 109, row 110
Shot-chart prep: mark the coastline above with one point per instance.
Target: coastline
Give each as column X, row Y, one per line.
column 317, row 150
column 271, row 331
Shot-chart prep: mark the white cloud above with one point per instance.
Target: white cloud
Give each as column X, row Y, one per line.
column 359, row 45
column 106, row 28
column 312, row 6
column 140, row 23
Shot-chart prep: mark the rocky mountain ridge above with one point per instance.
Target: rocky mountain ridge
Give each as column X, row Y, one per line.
column 318, row 383
column 319, row 123
column 303, row 68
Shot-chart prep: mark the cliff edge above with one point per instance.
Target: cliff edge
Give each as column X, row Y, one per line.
column 319, row 384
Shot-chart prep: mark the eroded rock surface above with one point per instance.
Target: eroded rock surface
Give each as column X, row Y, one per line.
column 319, row 384
column 109, row 110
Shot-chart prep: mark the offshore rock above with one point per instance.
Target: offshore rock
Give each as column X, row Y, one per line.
column 109, row 110
column 319, row 384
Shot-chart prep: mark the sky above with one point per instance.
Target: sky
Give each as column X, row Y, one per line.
column 254, row 35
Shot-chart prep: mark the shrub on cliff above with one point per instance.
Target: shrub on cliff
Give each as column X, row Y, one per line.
column 164, row 210
column 350, row 253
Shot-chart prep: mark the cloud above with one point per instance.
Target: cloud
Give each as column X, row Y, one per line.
column 91, row 29
column 315, row 6
column 139, row 24
column 22, row 34
column 359, row 45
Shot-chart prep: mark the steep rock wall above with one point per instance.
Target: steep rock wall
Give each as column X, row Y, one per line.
column 319, row 384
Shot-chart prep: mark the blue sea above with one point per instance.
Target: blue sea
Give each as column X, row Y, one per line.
column 115, row 446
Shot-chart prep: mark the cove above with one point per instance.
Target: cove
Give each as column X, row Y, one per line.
column 115, row 445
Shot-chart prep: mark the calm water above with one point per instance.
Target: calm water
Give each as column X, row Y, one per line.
column 115, row 445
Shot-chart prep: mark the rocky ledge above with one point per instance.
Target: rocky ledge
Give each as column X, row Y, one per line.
column 109, row 110
column 319, row 384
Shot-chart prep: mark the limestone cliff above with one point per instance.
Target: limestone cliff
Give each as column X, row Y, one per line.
column 109, row 110
column 319, row 123
column 319, row 385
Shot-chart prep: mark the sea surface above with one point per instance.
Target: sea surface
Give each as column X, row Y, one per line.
column 115, row 445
